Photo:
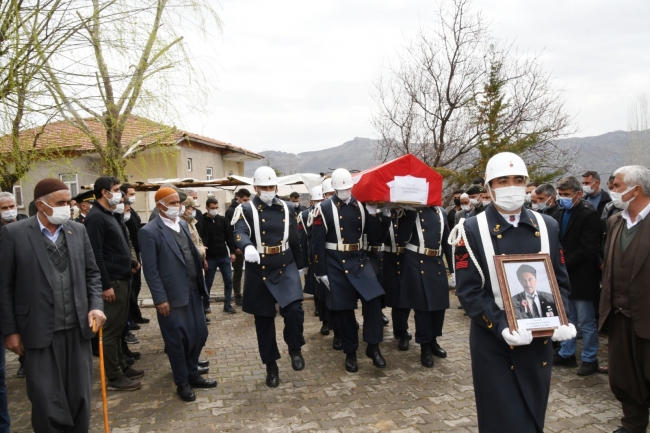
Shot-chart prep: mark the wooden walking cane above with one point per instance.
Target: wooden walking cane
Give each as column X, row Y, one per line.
column 102, row 375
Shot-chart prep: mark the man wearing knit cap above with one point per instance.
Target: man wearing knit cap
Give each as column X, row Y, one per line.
column 50, row 293
column 173, row 269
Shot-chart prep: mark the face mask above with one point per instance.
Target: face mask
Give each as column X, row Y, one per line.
column 457, row 201
column 75, row 209
column 587, row 189
column 173, row 212
column 528, row 198
column 617, row 198
column 132, row 200
column 60, row 214
column 566, row 202
column 9, row 215
column 119, row 208
column 344, row 194
column 115, row 198
column 474, row 201
column 127, row 216
column 296, row 204
column 213, row 212
column 534, row 206
column 466, row 207
column 510, row 198
column 267, row 196
column 486, row 202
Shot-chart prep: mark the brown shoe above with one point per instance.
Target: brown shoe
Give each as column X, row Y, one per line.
column 123, row 383
column 132, row 373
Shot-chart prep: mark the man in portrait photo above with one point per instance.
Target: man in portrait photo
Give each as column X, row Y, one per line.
column 532, row 303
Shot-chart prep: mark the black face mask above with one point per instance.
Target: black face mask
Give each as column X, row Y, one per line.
column 457, row 201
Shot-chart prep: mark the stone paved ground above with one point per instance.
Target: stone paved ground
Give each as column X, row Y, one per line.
column 404, row 397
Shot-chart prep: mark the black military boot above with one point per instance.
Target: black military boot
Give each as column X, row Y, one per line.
column 336, row 343
column 404, row 341
column 438, row 351
column 426, row 357
column 325, row 329
column 297, row 361
column 373, row 352
column 351, row 362
column 272, row 375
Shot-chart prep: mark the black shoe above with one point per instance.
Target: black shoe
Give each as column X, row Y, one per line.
column 385, row 320
column 351, row 362
column 336, row 343
column 204, row 363
column 297, row 361
column 227, row 308
column 123, row 383
column 134, row 326
column 404, row 341
column 207, row 320
column 438, row 351
column 131, row 339
column 588, row 368
column 272, row 375
column 325, row 330
column 132, row 373
column 200, row 382
column 203, row 370
column 185, row 392
column 561, row 361
column 238, row 300
column 129, row 360
column 207, row 310
column 127, row 352
column 620, row 430
column 373, row 352
column 426, row 357
column 142, row 321
column 316, row 312
column 21, row 372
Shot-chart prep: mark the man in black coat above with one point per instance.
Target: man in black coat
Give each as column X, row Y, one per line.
column 531, row 303
column 580, row 236
column 241, row 196
column 451, row 213
column 546, row 200
column 294, row 198
column 593, row 193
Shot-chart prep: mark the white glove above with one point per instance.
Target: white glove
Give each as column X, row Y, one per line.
column 453, row 280
column 301, row 272
column 251, row 254
column 372, row 209
column 564, row 333
column 305, row 271
column 521, row 338
column 323, row 279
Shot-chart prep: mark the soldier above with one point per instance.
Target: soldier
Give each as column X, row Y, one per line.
column 343, row 266
column 511, row 371
column 85, row 202
column 328, row 191
column 425, row 287
column 265, row 229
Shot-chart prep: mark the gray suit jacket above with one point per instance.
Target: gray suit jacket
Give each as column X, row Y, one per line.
column 461, row 214
column 26, row 297
column 164, row 267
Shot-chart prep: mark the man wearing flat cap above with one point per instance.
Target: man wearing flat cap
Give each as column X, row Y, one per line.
column 173, row 269
column 47, row 310
column 475, row 193
column 531, row 303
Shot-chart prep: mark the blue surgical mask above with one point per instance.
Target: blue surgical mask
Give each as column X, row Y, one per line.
column 566, row 202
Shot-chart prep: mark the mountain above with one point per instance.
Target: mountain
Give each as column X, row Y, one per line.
column 603, row 153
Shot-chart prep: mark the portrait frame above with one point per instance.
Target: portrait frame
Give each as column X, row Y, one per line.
column 504, row 265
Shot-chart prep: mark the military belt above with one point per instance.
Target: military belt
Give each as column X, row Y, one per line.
column 396, row 250
column 274, row 250
column 344, row 247
column 375, row 249
column 426, row 251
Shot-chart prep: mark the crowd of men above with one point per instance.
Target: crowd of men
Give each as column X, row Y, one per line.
column 349, row 253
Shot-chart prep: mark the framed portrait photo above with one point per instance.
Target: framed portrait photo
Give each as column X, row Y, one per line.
column 531, row 297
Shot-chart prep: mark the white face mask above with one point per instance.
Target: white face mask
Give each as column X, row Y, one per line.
column 119, row 208
column 173, row 212
column 510, row 198
column 132, row 200
column 617, row 198
column 528, row 197
column 486, row 202
column 344, row 194
column 213, row 212
column 115, row 198
column 465, row 207
column 60, row 214
column 127, row 216
column 587, row 189
column 9, row 215
column 296, row 204
column 474, row 201
column 534, row 206
column 267, row 196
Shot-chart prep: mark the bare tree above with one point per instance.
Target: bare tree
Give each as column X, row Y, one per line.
column 638, row 126
column 435, row 102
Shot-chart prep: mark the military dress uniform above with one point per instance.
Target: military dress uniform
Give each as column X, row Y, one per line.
column 338, row 230
column 425, row 287
column 273, row 231
column 511, row 383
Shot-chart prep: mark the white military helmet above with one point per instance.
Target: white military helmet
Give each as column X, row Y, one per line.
column 327, row 186
column 265, row 176
column 341, row 179
column 505, row 164
column 317, row 193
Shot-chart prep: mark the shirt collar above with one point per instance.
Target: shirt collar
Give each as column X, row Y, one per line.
column 40, row 224
column 639, row 217
column 172, row 224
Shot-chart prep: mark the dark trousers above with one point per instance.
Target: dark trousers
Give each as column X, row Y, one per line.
column 294, row 318
column 428, row 325
column 59, row 383
column 184, row 332
column 226, row 272
column 323, row 311
column 373, row 326
column 135, row 314
column 116, row 317
column 4, row 410
column 629, row 372
column 238, row 267
column 400, row 318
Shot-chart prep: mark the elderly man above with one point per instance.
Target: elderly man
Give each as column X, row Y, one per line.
column 546, row 200
column 625, row 298
column 530, row 303
column 50, row 293
column 173, row 270
column 467, row 210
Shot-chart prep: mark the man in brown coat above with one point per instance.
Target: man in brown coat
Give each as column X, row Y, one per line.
column 625, row 299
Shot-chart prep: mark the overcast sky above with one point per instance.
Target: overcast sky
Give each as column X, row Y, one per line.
column 299, row 75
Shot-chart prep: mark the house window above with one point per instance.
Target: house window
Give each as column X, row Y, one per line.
column 71, row 181
column 189, row 164
column 18, row 194
column 208, row 173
